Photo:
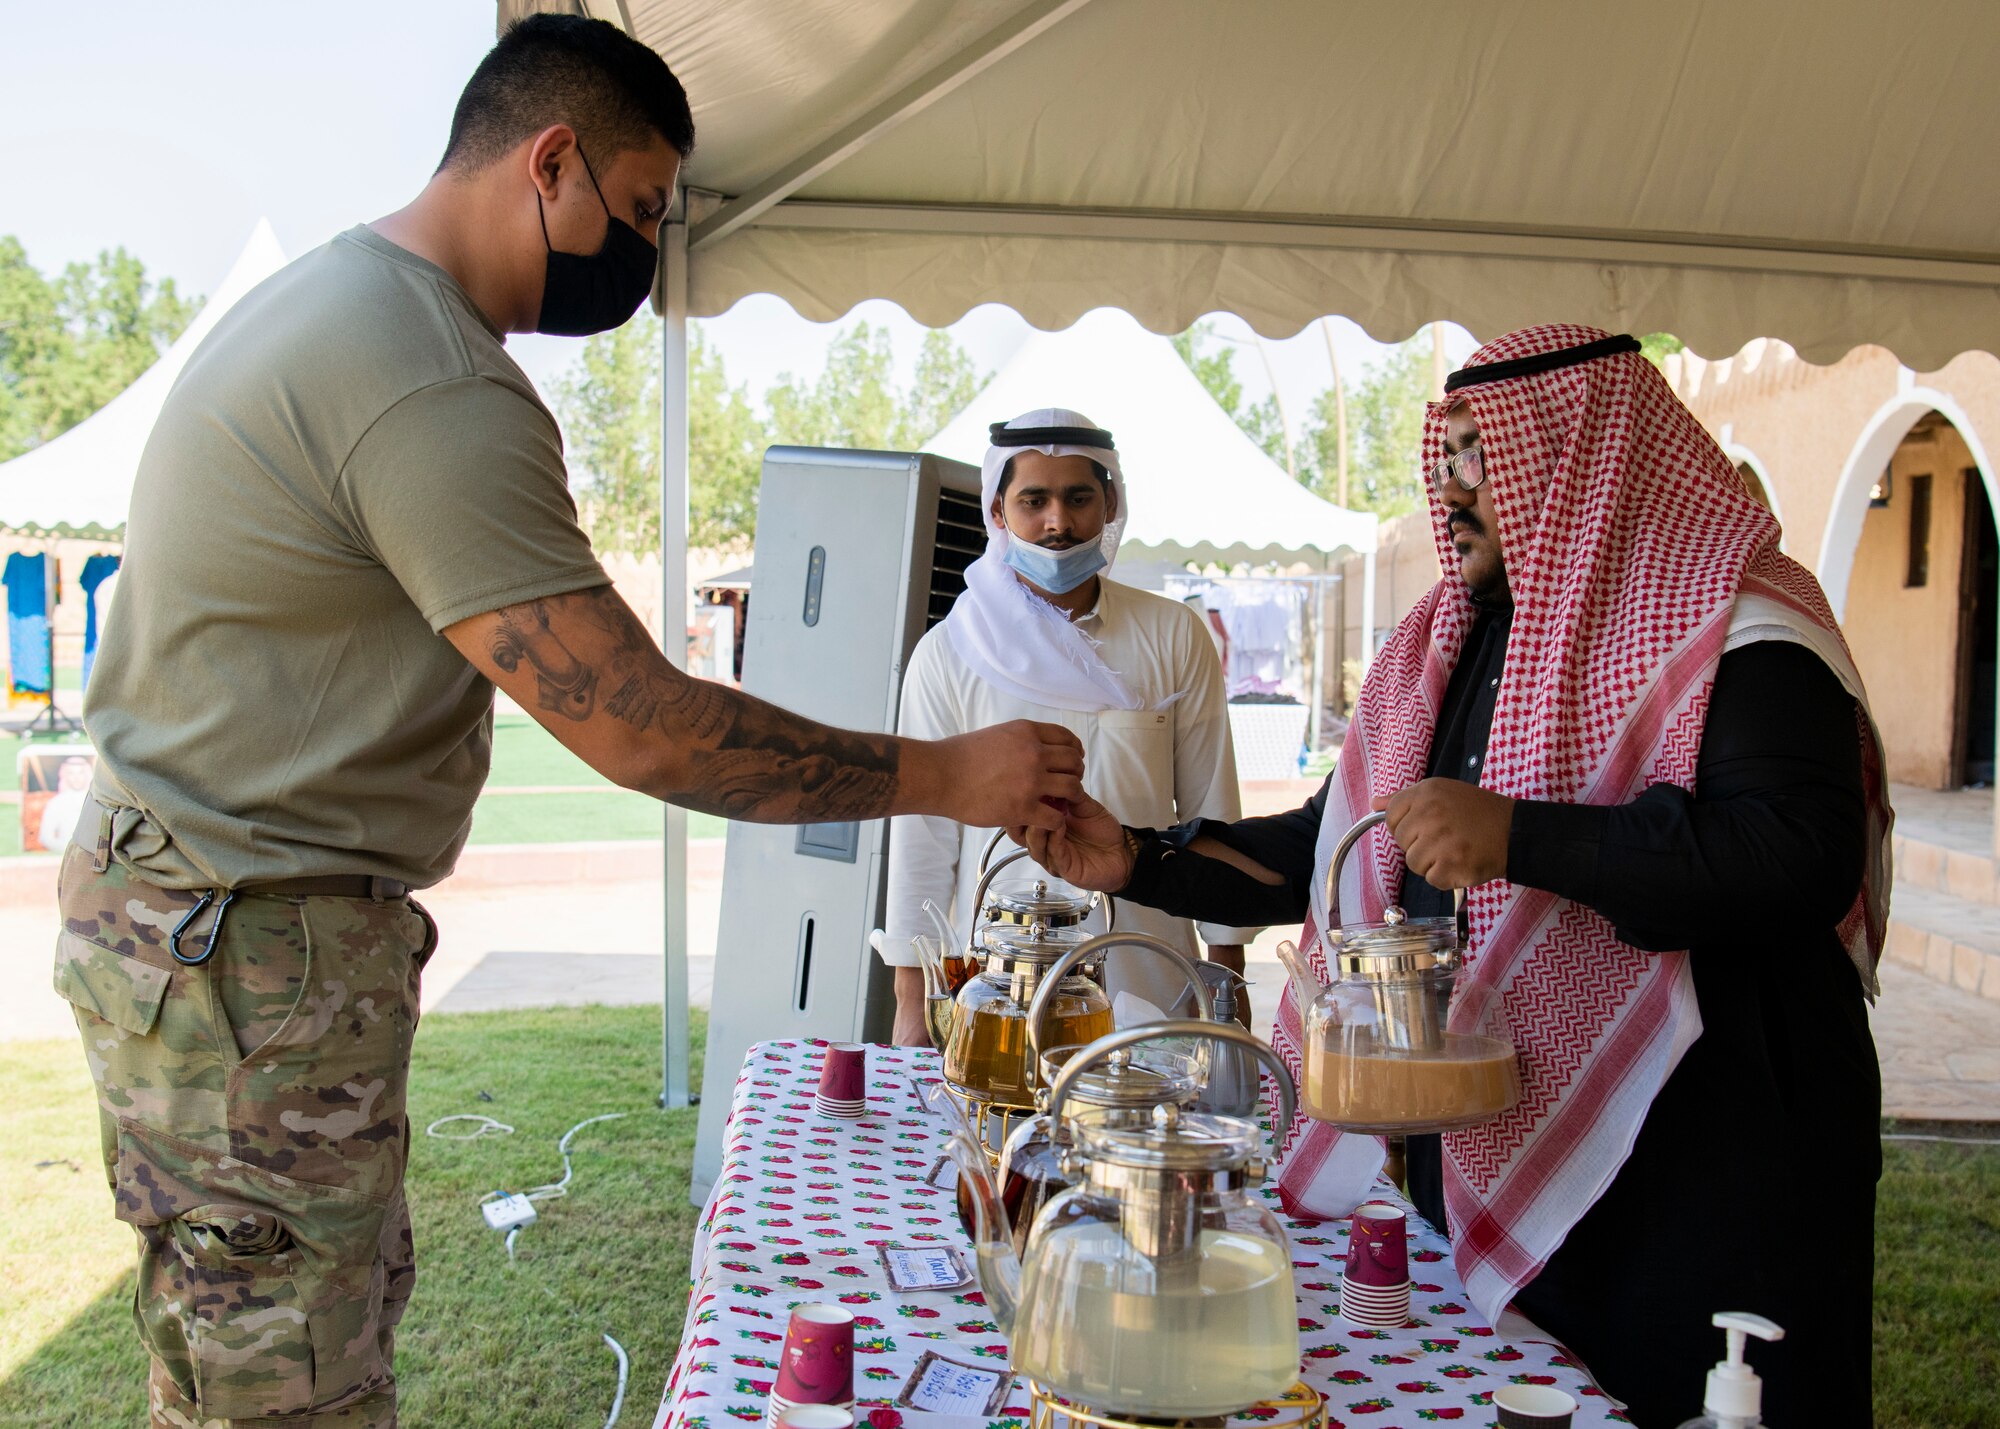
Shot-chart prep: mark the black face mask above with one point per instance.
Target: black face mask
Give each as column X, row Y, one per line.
column 585, row 293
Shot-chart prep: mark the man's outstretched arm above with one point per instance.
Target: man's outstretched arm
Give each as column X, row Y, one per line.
column 587, row 669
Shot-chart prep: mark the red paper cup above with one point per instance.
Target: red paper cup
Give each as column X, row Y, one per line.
column 817, row 1363
column 843, row 1078
column 1378, row 1250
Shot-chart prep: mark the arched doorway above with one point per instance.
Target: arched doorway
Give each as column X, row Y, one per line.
column 1753, row 484
column 1917, row 585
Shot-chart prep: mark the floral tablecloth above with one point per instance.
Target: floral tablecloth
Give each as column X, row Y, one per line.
column 803, row 1201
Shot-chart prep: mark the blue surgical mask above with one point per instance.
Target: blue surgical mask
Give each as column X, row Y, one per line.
column 1057, row 572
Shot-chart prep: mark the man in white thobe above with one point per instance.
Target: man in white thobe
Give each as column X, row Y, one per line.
column 1041, row 633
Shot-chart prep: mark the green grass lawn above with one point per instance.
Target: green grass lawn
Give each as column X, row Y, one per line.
column 525, row 755
column 498, row 1348
column 482, row 1344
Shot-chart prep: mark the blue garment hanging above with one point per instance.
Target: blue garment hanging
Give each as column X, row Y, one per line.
column 96, row 570
column 26, row 579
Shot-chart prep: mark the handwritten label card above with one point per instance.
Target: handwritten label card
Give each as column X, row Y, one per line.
column 944, row 1386
column 931, row 1268
column 943, row 1174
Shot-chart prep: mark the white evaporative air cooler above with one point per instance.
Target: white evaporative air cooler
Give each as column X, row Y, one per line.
column 858, row 554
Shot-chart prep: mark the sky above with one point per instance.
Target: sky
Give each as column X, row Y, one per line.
column 170, row 129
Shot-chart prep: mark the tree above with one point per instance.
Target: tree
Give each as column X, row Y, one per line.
column 1216, row 371
column 610, row 408
column 70, row 345
column 1385, row 423
column 946, row 383
column 851, row 404
column 1262, row 422
column 855, row 401
column 726, row 441
column 1655, row 346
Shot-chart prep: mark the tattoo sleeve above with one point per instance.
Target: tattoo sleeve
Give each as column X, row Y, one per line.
column 743, row 758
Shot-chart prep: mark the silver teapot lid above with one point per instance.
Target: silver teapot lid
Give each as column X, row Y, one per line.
column 1034, row 944
column 1170, row 1140
column 1397, row 946
column 1038, row 903
column 1125, row 1081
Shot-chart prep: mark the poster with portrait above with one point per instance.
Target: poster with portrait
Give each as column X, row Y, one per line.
column 55, row 786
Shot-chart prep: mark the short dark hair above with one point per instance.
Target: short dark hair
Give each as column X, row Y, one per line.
column 1007, row 477
column 565, row 69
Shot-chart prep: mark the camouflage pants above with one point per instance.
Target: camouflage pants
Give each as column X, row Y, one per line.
column 252, row 1113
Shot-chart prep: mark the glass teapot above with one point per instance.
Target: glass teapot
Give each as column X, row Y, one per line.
column 1161, row 1284
column 1123, row 1086
column 1386, row 1050
column 988, row 1056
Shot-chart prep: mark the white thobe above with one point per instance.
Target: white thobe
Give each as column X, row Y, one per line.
column 1152, row 767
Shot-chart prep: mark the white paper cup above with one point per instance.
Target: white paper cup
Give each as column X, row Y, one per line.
column 1533, row 1406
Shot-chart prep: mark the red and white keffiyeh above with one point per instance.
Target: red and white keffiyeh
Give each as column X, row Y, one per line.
column 1635, row 560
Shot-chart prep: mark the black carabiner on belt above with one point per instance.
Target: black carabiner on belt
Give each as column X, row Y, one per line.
column 214, row 931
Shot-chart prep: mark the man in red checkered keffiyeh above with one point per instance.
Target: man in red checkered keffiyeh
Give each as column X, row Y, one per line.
column 1628, row 724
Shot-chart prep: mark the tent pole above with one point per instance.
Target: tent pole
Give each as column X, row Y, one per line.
column 1314, row 728
column 675, row 1045
column 1367, row 609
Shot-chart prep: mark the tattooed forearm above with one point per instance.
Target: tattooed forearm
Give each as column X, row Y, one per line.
column 737, row 755
column 564, row 684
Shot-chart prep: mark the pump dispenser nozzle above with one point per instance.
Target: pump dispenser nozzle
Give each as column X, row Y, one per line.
column 1735, row 1397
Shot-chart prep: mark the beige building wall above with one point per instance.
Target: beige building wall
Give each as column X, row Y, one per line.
column 1905, row 638
column 1820, row 438
column 1406, row 567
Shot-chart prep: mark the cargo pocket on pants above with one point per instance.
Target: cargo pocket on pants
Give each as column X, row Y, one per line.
column 261, row 1295
column 112, row 985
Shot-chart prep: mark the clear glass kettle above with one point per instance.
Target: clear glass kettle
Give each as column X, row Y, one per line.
column 989, row 1057
column 1160, row 1285
column 1126, row 1086
column 1387, row 1050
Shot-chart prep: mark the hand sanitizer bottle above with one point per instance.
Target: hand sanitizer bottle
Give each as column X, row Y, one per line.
column 1735, row 1398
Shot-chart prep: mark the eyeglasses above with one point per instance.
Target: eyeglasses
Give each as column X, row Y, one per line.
column 1466, row 466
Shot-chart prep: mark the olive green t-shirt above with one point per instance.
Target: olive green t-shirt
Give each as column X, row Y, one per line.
column 348, row 464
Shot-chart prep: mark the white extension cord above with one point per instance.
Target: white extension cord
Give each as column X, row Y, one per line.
column 514, row 1211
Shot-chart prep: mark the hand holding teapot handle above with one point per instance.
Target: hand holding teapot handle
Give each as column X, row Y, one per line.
column 1453, row 834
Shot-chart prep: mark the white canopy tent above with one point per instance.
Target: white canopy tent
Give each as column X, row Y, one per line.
column 81, row 483
column 1178, row 448
column 1811, row 170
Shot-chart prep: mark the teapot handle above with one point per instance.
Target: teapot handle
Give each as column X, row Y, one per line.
column 1109, row 903
column 979, row 892
column 1213, row 1031
column 986, row 854
column 1340, row 851
column 1045, row 994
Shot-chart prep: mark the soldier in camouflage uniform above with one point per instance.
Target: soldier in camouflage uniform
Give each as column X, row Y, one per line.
column 350, row 525
column 251, row 1112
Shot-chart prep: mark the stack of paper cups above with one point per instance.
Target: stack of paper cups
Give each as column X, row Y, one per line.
column 814, row 1416
column 843, row 1081
column 1376, row 1288
column 816, row 1365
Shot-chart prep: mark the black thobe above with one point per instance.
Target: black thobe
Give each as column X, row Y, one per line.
column 1751, row 1185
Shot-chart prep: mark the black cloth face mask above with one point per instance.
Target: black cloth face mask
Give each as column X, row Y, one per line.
column 585, row 293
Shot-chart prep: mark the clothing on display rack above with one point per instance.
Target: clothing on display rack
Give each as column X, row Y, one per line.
column 27, row 581
column 96, row 569
column 1261, row 617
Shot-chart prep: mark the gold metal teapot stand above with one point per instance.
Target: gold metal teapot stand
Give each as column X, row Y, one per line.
column 1300, row 1407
